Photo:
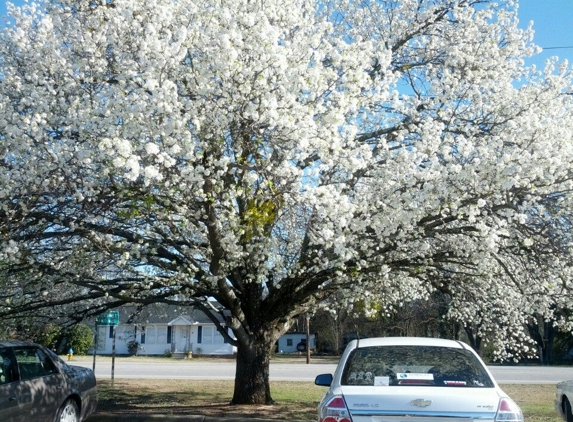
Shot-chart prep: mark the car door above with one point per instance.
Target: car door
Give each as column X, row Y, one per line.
column 42, row 387
column 10, row 411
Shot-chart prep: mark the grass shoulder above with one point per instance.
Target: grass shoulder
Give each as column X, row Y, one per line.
column 294, row 400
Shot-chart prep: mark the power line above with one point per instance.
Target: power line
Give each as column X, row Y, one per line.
column 556, row 48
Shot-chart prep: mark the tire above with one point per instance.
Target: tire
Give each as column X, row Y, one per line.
column 301, row 347
column 69, row 412
column 567, row 410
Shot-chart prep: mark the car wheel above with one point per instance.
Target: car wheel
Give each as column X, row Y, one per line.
column 69, row 412
column 567, row 410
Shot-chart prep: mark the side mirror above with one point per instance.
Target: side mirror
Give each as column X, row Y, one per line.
column 323, row 379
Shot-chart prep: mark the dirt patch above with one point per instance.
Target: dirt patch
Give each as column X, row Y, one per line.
column 210, row 398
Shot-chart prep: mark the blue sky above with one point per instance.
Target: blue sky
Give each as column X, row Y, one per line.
column 553, row 24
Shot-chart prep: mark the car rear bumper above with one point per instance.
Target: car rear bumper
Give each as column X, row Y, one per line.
column 89, row 402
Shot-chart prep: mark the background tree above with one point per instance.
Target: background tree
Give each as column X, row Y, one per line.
column 50, row 336
column 331, row 323
column 337, row 325
column 272, row 154
column 80, row 337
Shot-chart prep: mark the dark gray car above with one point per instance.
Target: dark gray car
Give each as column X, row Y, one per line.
column 36, row 385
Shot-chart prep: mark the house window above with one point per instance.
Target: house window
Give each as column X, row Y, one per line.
column 142, row 339
column 209, row 335
column 217, row 337
column 289, row 341
column 161, row 335
column 124, row 333
column 111, row 330
column 156, row 335
column 151, row 335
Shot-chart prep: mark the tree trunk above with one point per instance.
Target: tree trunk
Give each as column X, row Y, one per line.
column 473, row 339
column 549, row 348
column 543, row 333
column 252, row 373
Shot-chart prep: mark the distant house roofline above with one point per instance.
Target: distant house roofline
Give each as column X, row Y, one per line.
column 182, row 320
column 162, row 313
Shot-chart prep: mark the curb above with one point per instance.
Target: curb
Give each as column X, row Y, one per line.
column 137, row 417
column 110, row 417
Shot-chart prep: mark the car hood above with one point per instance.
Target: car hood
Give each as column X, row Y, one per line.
column 78, row 369
column 450, row 402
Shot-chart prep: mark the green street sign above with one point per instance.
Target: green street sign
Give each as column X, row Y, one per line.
column 111, row 318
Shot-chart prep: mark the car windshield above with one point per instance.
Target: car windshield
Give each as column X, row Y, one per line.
column 414, row 365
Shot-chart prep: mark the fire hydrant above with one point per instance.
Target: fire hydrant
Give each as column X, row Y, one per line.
column 70, row 354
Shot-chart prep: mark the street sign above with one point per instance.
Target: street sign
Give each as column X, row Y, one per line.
column 111, row 318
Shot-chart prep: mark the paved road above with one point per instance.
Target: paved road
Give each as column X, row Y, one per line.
column 195, row 369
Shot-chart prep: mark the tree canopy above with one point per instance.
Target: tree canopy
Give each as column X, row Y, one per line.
column 271, row 154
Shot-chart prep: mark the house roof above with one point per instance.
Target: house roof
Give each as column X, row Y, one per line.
column 161, row 313
column 298, row 333
column 183, row 320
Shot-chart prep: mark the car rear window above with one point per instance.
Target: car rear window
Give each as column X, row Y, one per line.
column 414, row 365
column 33, row 363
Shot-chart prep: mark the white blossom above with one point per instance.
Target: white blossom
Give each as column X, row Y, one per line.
column 381, row 149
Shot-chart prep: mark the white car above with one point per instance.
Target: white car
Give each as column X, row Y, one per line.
column 563, row 400
column 395, row 379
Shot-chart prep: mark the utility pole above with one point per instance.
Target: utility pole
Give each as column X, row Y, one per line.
column 113, row 355
column 95, row 347
column 307, row 339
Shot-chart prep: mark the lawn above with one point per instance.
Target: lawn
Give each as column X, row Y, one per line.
column 536, row 401
column 294, row 400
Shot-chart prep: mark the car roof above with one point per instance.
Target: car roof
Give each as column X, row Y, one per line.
column 408, row 341
column 13, row 343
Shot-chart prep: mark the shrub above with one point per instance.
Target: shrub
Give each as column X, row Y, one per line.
column 132, row 347
column 49, row 336
column 80, row 338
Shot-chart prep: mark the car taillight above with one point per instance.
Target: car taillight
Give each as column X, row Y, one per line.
column 335, row 411
column 508, row 411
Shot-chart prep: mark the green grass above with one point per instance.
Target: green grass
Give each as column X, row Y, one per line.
column 536, row 401
column 294, row 400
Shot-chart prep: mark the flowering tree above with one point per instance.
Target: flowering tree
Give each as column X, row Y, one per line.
column 269, row 154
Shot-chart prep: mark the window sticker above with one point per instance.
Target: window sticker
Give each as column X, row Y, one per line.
column 415, row 376
column 454, row 382
column 382, row 381
column 360, row 376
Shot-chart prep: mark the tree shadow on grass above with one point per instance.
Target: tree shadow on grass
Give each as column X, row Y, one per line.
column 189, row 398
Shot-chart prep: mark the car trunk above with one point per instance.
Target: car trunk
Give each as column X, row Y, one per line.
column 413, row 403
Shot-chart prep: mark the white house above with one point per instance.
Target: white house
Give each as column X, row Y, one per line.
column 160, row 329
column 295, row 342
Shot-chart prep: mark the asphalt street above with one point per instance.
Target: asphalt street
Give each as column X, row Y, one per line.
column 201, row 369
